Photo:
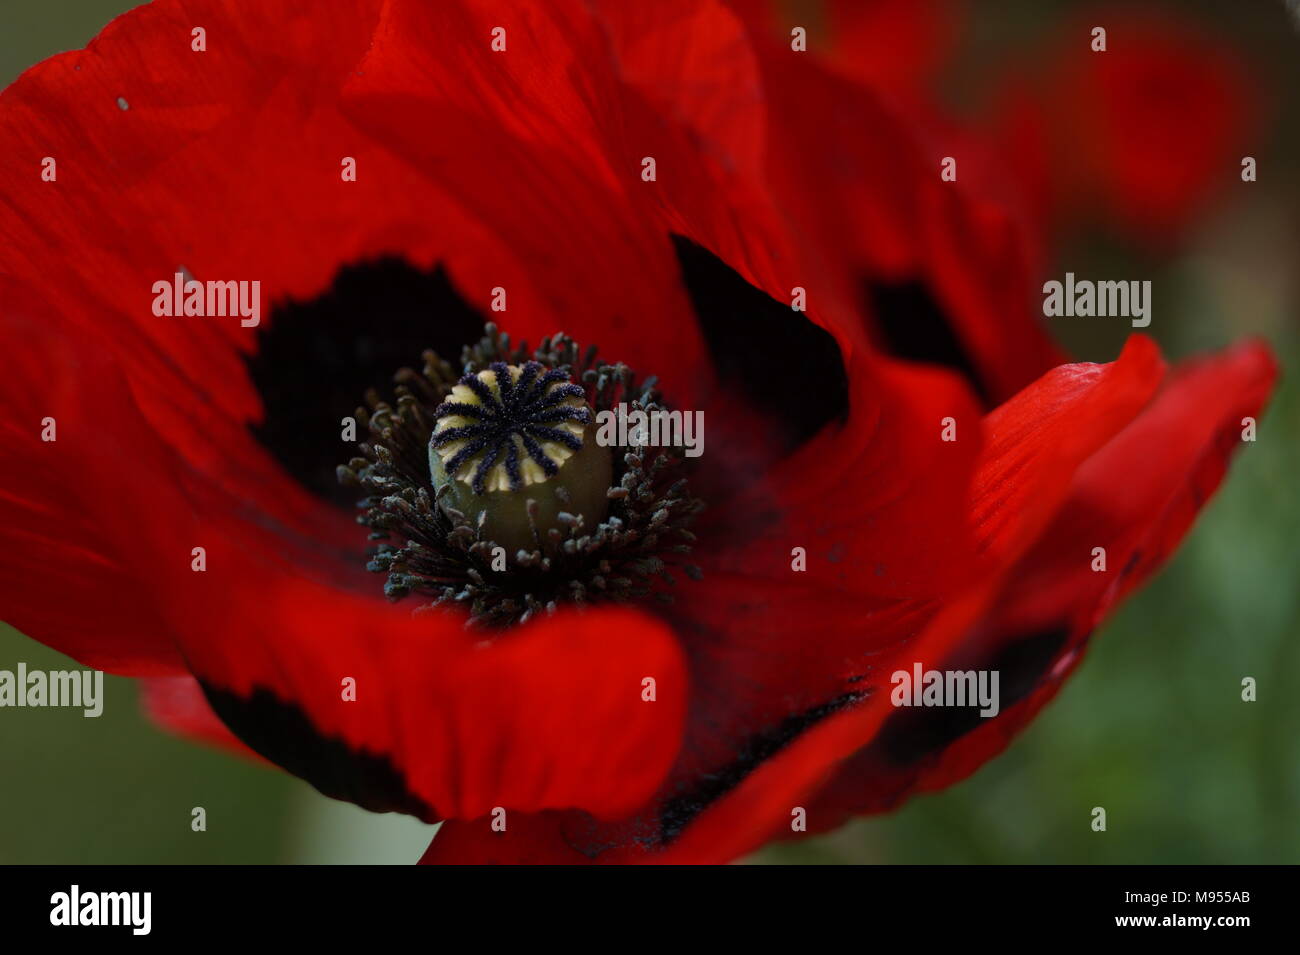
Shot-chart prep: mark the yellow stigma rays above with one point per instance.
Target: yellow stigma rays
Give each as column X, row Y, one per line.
column 514, row 450
column 510, row 427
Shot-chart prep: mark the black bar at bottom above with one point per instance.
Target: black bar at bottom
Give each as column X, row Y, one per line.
column 330, row 904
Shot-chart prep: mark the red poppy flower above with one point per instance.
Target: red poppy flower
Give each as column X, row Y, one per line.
column 843, row 538
column 1141, row 137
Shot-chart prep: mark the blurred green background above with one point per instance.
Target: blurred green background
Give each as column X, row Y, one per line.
column 1151, row 726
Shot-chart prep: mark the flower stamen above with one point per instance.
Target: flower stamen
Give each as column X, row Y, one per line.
column 489, row 490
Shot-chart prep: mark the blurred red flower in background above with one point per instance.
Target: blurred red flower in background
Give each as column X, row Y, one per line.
column 1139, row 139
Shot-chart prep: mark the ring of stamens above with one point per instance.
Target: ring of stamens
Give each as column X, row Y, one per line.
column 428, row 547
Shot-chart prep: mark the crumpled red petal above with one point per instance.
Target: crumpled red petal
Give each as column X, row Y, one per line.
column 1136, row 496
column 1035, row 442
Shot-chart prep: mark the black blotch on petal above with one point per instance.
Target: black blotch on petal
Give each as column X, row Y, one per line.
column 763, row 349
column 283, row 733
column 914, row 733
column 315, row 360
column 913, row 326
column 680, row 810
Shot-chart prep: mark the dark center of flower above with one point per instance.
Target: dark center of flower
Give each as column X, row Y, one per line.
column 516, row 436
column 490, row 490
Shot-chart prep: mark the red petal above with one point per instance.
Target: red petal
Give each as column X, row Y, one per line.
column 693, row 60
column 1136, row 497
column 225, row 162
column 66, row 579
column 548, row 157
column 883, row 527
column 763, row 804
column 550, row 715
column 870, row 503
column 177, row 704
column 528, row 839
column 1035, row 442
column 416, row 714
